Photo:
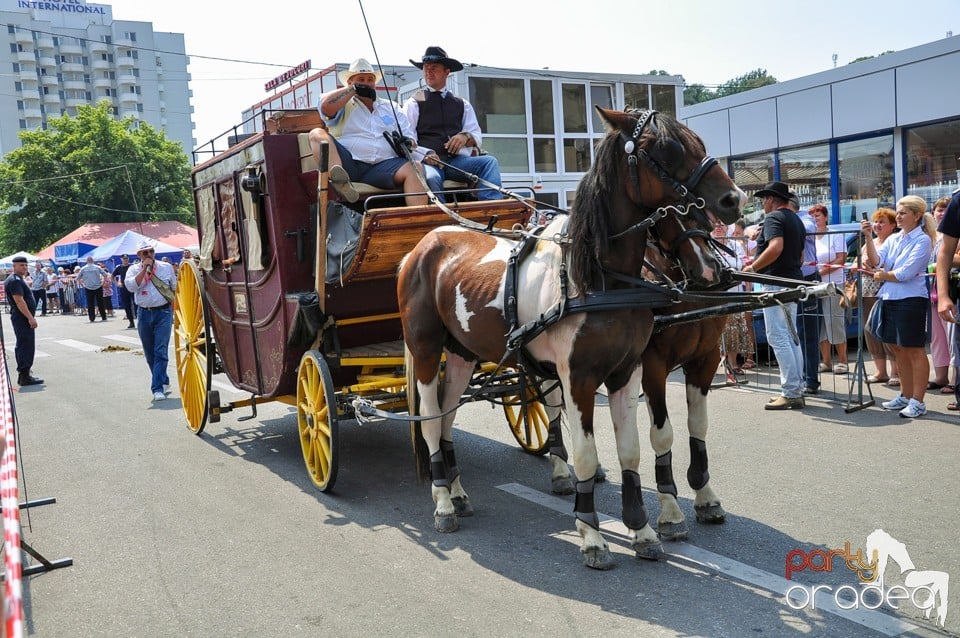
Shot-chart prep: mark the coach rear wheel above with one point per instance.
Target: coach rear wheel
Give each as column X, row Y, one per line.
column 193, row 347
column 317, row 420
column 528, row 424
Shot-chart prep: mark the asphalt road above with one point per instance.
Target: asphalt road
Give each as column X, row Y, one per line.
column 224, row 534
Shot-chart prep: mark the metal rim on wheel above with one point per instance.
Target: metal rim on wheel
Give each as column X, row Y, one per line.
column 193, row 347
column 529, row 427
column 317, row 420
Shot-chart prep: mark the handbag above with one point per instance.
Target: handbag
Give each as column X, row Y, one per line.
column 849, row 297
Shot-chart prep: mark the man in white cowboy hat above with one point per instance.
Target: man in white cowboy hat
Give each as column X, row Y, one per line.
column 447, row 124
column 356, row 122
column 150, row 280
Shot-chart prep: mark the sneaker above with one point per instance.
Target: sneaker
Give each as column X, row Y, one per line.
column 823, row 367
column 810, row 390
column 341, row 183
column 914, row 409
column 785, row 403
column 159, row 396
column 840, row 368
column 166, row 388
column 897, row 403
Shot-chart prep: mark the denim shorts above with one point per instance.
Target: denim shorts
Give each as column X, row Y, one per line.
column 902, row 322
column 379, row 174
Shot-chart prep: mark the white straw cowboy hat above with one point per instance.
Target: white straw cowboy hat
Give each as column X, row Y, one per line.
column 359, row 65
column 144, row 245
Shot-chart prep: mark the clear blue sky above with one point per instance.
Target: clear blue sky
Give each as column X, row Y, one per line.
column 708, row 42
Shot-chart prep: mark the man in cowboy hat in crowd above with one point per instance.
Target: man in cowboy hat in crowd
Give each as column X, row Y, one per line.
column 146, row 280
column 779, row 253
column 23, row 307
column 356, row 121
column 447, row 124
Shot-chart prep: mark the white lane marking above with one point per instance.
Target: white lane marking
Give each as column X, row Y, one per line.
column 38, row 354
column 124, row 339
column 77, row 345
column 707, row 560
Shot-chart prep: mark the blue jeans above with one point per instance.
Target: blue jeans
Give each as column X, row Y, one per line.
column 486, row 167
column 780, row 337
column 154, row 327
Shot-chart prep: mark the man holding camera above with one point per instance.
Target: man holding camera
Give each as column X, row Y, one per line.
column 356, row 122
column 153, row 284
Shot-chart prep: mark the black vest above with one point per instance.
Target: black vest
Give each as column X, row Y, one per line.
column 440, row 119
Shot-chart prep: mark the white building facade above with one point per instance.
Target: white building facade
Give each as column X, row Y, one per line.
column 60, row 55
column 852, row 138
column 540, row 124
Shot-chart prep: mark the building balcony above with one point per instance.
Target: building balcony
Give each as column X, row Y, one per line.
column 23, row 36
column 72, row 67
column 125, row 62
column 103, row 83
column 100, row 64
column 51, row 98
column 47, row 61
column 32, row 114
column 27, row 57
column 126, row 78
column 128, row 98
column 71, row 49
column 124, row 42
column 77, row 85
column 28, row 76
column 130, row 113
column 74, row 102
column 49, row 80
column 98, row 47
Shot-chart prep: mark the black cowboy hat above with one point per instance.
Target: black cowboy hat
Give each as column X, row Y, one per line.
column 775, row 189
column 436, row 54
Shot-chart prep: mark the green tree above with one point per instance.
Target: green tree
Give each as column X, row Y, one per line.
column 697, row 93
column 752, row 80
column 90, row 168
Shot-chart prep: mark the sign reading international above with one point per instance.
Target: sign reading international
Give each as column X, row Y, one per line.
column 66, row 6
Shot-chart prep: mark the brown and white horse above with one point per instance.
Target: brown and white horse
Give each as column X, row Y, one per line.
column 452, row 296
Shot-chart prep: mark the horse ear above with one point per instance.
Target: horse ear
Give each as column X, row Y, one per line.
column 615, row 120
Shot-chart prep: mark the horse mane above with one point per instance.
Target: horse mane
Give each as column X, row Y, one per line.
column 590, row 215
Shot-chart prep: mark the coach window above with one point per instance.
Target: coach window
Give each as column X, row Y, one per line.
column 865, row 171
column 807, row 171
column 933, row 160
column 500, row 104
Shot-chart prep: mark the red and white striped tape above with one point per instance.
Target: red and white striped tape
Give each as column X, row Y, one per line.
column 10, row 501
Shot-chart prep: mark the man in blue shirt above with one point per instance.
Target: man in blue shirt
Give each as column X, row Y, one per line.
column 23, row 307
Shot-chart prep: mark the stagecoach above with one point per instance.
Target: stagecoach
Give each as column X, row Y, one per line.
column 262, row 306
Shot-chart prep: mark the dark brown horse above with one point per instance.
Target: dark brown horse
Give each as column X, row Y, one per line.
column 457, row 295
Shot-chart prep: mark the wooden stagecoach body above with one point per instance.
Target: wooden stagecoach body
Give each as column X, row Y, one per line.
column 262, row 248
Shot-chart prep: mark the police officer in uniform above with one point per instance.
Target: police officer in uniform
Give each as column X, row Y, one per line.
column 23, row 307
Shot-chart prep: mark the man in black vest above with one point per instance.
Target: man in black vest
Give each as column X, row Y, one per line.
column 448, row 126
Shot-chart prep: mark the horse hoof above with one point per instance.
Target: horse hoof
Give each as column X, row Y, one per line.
column 711, row 514
column 600, row 476
column 649, row 551
column 672, row 531
column 445, row 523
column 462, row 506
column 562, row 485
column 597, row 558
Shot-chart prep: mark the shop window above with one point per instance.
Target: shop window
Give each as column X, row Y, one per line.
column 751, row 173
column 541, row 107
column 865, row 169
column 500, row 105
column 636, row 96
column 602, row 96
column 576, row 155
column 574, row 108
column 665, row 99
column 807, row 172
column 545, row 155
column 933, row 160
column 511, row 152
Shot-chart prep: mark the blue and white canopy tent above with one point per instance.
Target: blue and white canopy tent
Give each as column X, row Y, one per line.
column 6, row 263
column 126, row 244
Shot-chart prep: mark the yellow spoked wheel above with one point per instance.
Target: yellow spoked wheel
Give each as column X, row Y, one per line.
column 528, row 424
column 317, row 420
column 193, row 345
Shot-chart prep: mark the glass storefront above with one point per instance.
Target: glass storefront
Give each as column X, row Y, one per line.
column 807, row 172
column 865, row 172
column 933, row 160
column 751, row 173
column 500, row 105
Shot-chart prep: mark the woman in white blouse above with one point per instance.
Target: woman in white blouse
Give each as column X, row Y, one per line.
column 831, row 255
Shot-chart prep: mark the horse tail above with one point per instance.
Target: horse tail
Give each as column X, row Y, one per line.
column 421, row 454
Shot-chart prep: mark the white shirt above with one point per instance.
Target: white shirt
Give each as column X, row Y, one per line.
column 147, row 295
column 828, row 247
column 362, row 130
column 411, row 108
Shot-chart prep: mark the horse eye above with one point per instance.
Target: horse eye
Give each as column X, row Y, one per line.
column 669, row 152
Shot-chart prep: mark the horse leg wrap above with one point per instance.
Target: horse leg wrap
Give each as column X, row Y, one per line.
column 634, row 513
column 438, row 470
column 583, row 504
column 555, row 439
column 697, row 474
column 450, row 459
column 664, row 473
